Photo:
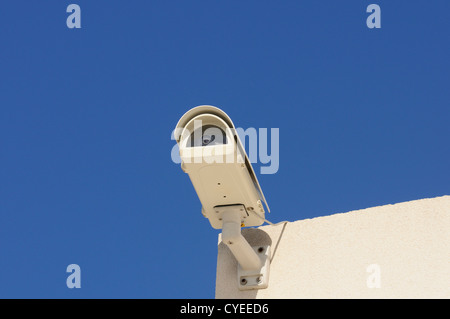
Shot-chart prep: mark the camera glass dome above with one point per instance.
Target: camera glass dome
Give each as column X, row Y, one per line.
column 209, row 135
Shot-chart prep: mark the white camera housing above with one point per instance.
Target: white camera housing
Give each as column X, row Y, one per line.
column 213, row 156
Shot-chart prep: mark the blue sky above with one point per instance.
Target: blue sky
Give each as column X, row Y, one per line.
column 86, row 117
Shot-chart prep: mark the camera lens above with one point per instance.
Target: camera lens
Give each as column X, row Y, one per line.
column 207, row 135
column 206, row 139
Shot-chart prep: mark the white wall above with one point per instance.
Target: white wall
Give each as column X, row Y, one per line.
column 403, row 248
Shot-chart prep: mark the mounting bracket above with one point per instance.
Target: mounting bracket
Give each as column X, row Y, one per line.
column 253, row 261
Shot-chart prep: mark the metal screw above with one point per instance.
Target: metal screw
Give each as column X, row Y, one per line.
column 243, row 281
column 259, row 280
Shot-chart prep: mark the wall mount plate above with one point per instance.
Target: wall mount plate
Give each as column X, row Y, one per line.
column 256, row 279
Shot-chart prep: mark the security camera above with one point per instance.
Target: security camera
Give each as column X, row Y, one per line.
column 213, row 156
